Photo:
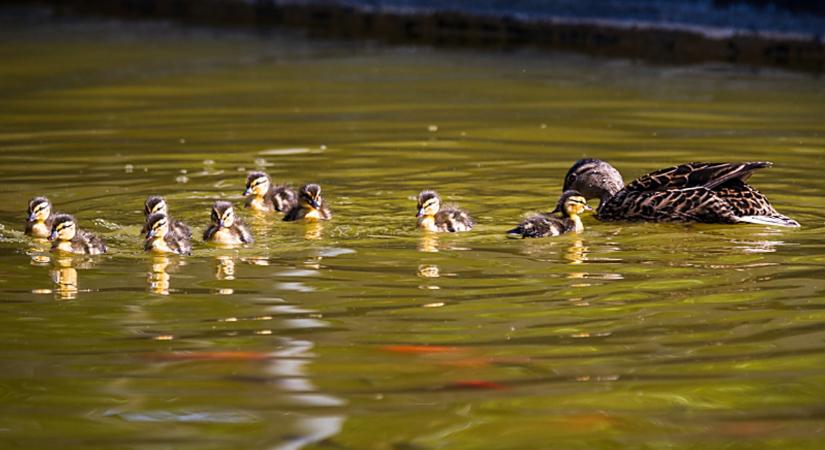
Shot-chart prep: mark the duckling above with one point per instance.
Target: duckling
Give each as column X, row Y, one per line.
column 226, row 228
column 66, row 237
column 262, row 196
column 161, row 239
column 310, row 205
column 39, row 222
column 693, row 192
column 157, row 205
column 570, row 205
column 432, row 217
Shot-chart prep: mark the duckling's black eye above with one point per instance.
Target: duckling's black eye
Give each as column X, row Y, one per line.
column 571, row 178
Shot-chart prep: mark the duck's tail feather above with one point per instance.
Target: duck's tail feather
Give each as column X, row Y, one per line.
column 779, row 221
column 516, row 232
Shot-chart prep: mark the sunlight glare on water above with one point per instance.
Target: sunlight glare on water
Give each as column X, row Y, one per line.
column 362, row 332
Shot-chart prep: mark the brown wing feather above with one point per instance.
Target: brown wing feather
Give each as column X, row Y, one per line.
column 695, row 174
column 675, row 205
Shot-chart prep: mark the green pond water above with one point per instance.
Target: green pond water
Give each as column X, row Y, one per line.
column 364, row 332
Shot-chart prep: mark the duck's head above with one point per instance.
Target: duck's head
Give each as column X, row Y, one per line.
column 593, row 178
column 223, row 214
column 310, row 196
column 157, row 225
column 257, row 183
column 428, row 203
column 154, row 205
column 571, row 204
column 64, row 228
column 39, row 209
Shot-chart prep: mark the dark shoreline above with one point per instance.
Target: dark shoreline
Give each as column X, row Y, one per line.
column 660, row 42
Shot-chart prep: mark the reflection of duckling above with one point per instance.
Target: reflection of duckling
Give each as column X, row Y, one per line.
column 39, row 222
column 262, row 196
column 64, row 276
column 432, row 217
column 571, row 204
column 68, row 238
column 154, row 205
column 226, row 228
column 161, row 239
column 159, row 279
column 310, row 205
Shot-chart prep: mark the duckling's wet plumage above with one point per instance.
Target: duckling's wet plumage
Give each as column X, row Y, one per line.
column 157, row 205
column 310, row 205
column 262, row 195
column 570, row 205
column 67, row 237
column 226, row 227
column 693, row 192
column 40, row 218
column 434, row 217
column 161, row 239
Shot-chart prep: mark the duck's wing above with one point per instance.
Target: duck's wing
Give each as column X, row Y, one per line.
column 181, row 229
column 539, row 225
column 694, row 175
column 745, row 201
column 282, row 197
column 675, row 205
column 453, row 219
column 180, row 246
column 92, row 244
column 243, row 232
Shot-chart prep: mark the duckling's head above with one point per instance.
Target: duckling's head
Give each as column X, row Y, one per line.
column 310, row 196
column 593, row 178
column 157, row 225
column 223, row 214
column 39, row 209
column 571, row 204
column 428, row 203
column 257, row 183
column 154, row 205
column 64, row 228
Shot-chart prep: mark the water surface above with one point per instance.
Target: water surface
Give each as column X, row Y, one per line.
column 362, row 332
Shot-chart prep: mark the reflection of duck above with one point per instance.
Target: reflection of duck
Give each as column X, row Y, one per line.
column 39, row 222
column 160, row 238
column 570, row 205
column 225, row 268
column 64, row 276
column 262, row 196
column 310, row 205
column 66, row 237
column 432, row 217
column 226, row 228
column 159, row 279
column 693, row 192
column 157, row 205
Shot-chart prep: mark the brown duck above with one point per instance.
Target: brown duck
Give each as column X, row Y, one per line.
column 693, row 192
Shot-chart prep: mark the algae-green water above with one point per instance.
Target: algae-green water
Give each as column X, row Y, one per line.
column 363, row 332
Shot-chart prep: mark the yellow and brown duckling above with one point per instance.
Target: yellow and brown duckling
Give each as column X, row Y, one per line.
column 311, row 205
column 693, row 192
column 161, row 239
column 570, row 205
column 432, row 217
column 261, row 195
column 66, row 237
column 226, row 228
column 157, row 205
column 39, row 221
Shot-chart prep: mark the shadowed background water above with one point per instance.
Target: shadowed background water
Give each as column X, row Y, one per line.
column 362, row 332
